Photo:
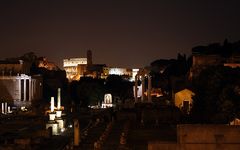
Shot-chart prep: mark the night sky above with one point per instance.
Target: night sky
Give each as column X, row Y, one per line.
column 120, row 33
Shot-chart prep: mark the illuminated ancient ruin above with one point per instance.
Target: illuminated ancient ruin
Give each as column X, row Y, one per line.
column 21, row 89
column 107, row 101
column 141, row 76
column 56, row 123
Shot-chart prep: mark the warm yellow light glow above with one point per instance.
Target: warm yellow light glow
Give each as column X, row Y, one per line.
column 74, row 62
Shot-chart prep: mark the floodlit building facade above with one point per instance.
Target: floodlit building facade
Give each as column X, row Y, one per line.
column 75, row 67
column 215, row 54
column 44, row 63
column 128, row 73
column 18, row 88
column 183, row 100
column 107, row 101
column 78, row 67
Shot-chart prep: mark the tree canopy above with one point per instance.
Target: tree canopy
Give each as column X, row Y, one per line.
column 217, row 95
column 119, row 87
column 87, row 91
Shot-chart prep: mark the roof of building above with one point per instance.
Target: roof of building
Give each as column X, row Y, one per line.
column 226, row 49
column 10, row 61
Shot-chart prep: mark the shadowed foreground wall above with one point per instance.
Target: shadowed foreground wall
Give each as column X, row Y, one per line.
column 198, row 137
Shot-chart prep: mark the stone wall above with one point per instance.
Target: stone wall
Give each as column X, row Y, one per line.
column 9, row 89
column 208, row 134
column 198, row 137
column 13, row 90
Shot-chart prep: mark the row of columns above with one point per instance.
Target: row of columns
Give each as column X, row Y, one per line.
column 141, row 76
column 31, row 87
column 5, row 108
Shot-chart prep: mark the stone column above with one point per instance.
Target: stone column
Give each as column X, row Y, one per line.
column 52, row 104
column 5, row 109
column 2, row 108
column 76, row 133
column 19, row 92
column 136, row 88
column 143, row 87
column 30, row 89
column 58, row 111
column 149, row 88
column 9, row 109
column 59, row 99
column 24, row 89
column 34, row 87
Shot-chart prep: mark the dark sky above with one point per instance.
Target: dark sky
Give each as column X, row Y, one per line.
column 120, row 33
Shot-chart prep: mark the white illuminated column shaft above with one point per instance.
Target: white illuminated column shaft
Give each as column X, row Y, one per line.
column 136, row 88
column 24, row 88
column 9, row 109
column 2, row 108
column 149, row 88
column 5, row 110
column 52, row 104
column 59, row 99
column 143, row 87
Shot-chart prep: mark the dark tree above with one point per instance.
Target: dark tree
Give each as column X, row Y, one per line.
column 217, row 95
column 87, row 91
column 119, row 87
column 163, row 71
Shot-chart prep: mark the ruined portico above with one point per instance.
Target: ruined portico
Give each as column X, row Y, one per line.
column 21, row 89
column 141, row 75
column 56, row 121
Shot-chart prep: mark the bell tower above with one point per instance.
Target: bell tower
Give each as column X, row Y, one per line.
column 89, row 57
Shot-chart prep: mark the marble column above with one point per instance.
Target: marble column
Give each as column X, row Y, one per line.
column 52, row 104
column 143, row 87
column 30, row 89
column 59, row 99
column 149, row 88
column 24, row 89
column 9, row 109
column 19, row 92
column 136, row 89
column 34, row 87
column 2, row 108
column 5, row 109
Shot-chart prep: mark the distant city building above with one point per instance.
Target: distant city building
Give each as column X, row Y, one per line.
column 95, row 70
column 89, row 58
column 215, row 54
column 126, row 72
column 14, row 67
column 78, row 67
column 120, row 71
column 75, row 67
column 44, row 63
column 183, row 100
